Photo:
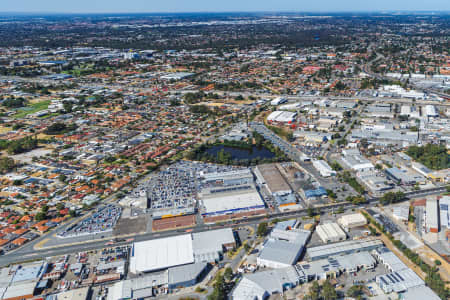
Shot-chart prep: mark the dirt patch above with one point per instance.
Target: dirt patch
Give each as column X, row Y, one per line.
column 173, row 223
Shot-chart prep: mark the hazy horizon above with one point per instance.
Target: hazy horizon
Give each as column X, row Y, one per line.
column 204, row 6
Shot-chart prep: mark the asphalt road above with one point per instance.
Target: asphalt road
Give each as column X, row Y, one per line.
column 31, row 254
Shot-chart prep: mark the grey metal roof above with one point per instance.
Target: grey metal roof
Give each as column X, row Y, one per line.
column 281, row 251
column 185, row 273
column 343, row 247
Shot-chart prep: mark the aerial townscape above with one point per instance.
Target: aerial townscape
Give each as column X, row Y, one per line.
column 232, row 155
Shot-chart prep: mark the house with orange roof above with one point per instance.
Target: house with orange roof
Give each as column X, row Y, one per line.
column 21, row 231
column 42, row 228
column 19, row 241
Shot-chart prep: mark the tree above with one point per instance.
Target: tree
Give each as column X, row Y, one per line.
column 72, row 213
column 44, row 209
column 219, row 292
column 6, row 164
column 314, row 291
column 262, row 229
column 40, row 216
column 328, row 291
column 354, row 291
column 228, row 274
column 310, row 211
column 62, row 178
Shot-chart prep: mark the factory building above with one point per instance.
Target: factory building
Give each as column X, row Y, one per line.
column 229, row 178
column 187, row 249
column 444, row 214
column 21, row 281
column 399, row 281
column 209, row 246
column 432, row 215
column 263, row 284
column 430, row 111
column 282, row 117
column 352, row 159
column 231, row 202
column 278, row 101
column 352, row 221
column 331, row 232
column 158, row 254
column 347, row 247
column 269, row 176
column 228, row 193
column 404, row 176
column 150, row 285
column 283, row 247
column 333, row 266
column 323, row 168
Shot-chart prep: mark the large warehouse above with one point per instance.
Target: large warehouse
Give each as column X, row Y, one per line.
column 432, row 215
column 347, row 247
column 231, row 202
column 352, row 221
column 269, row 176
column 331, row 232
column 186, row 249
column 161, row 254
column 282, row 117
column 323, row 168
column 283, row 247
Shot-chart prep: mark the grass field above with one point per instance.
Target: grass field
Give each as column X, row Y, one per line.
column 32, row 108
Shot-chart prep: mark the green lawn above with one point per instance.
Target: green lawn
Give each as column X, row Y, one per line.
column 31, row 109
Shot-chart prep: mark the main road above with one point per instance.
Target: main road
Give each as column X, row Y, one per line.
column 32, row 254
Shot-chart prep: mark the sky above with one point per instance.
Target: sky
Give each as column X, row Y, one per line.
column 142, row 6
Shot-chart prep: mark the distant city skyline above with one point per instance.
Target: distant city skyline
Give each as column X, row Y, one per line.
column 177, row 6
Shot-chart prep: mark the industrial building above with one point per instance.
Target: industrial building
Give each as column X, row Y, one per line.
column 444, row 213
column 263, row 284
column 399, row 281
column 330, row 232
column 404, row 176
column 432, row 215
column 430, row 111
column 333, row 266
column 278, row 101
column 75, row 294
column 158, row 254
column 150, row 285
column 346, row 247
column 352, row 221
column 420, row 292
column 282, row 117
column 323, row 168
column 208, row 246
column 269, row 176
column 355, row 161
column 231, row 202
column 401, row 212
column 283, row 247
column 388, row 259
column 230, row 192
column 21, row 281
column 164, row 253
column 228, row 178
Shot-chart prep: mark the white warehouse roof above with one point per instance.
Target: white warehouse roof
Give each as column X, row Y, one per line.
column 330, row 232
column 282, row 116
column 232, row 202
column 353, row 220
column 161, row 253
